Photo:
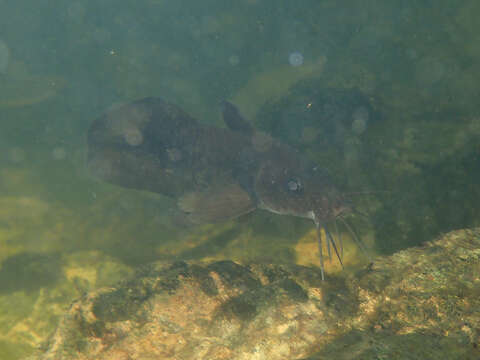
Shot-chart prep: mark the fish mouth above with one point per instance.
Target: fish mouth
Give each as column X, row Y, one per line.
column 331, row 242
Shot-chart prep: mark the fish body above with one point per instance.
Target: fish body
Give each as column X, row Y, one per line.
column 214, row 173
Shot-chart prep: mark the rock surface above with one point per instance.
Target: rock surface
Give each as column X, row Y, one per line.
column 420, row 303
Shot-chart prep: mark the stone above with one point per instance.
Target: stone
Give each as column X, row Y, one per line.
column 419, row 303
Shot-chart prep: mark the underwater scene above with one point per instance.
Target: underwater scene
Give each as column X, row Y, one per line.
column 250, row 179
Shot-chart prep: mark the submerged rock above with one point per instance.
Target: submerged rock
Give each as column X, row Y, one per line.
column 418, row 304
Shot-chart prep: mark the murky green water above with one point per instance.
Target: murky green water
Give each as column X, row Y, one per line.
column 415, row 152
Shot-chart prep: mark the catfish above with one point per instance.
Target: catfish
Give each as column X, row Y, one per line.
column 215, row 174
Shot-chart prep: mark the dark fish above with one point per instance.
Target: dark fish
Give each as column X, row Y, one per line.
column 214, row 173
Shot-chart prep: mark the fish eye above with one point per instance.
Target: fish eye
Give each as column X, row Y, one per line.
column 294, row 185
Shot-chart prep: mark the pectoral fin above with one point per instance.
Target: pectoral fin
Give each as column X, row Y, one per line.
column 234, row 120
column 216, row 205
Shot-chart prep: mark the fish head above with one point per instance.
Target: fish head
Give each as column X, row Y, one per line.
column 287, row 184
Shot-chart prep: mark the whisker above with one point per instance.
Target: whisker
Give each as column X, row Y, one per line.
column 330, row 239
column 357, row 212
column 329, row 252
column 366, row 192
column 319, row 236
column 339, row 237
column 356, row 238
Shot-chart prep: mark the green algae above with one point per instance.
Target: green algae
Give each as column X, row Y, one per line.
column 424, row 151
column 29, row 272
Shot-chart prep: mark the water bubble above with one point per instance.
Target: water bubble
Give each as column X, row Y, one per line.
column 430, row 71
column 127, row 121
column 295, row 58
column 360, row 119
column 309, row 134
column 101, row 35
column 234, row 60
column 293, row 185
column 133, row 136
column 261, row 142
column 351, row 150
column 76, row 11
column 411, row 54
column 59, row 153
column 101, row 167
column 4, row 57
column 174, row 154
column 16, row 155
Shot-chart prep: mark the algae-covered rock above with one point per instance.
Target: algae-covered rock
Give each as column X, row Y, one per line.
column 36, row 289
column 417, row 304
column 330, row 123
column 417, row 171
column 273, row 84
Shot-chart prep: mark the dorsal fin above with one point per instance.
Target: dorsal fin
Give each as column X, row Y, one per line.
column 234, row 120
